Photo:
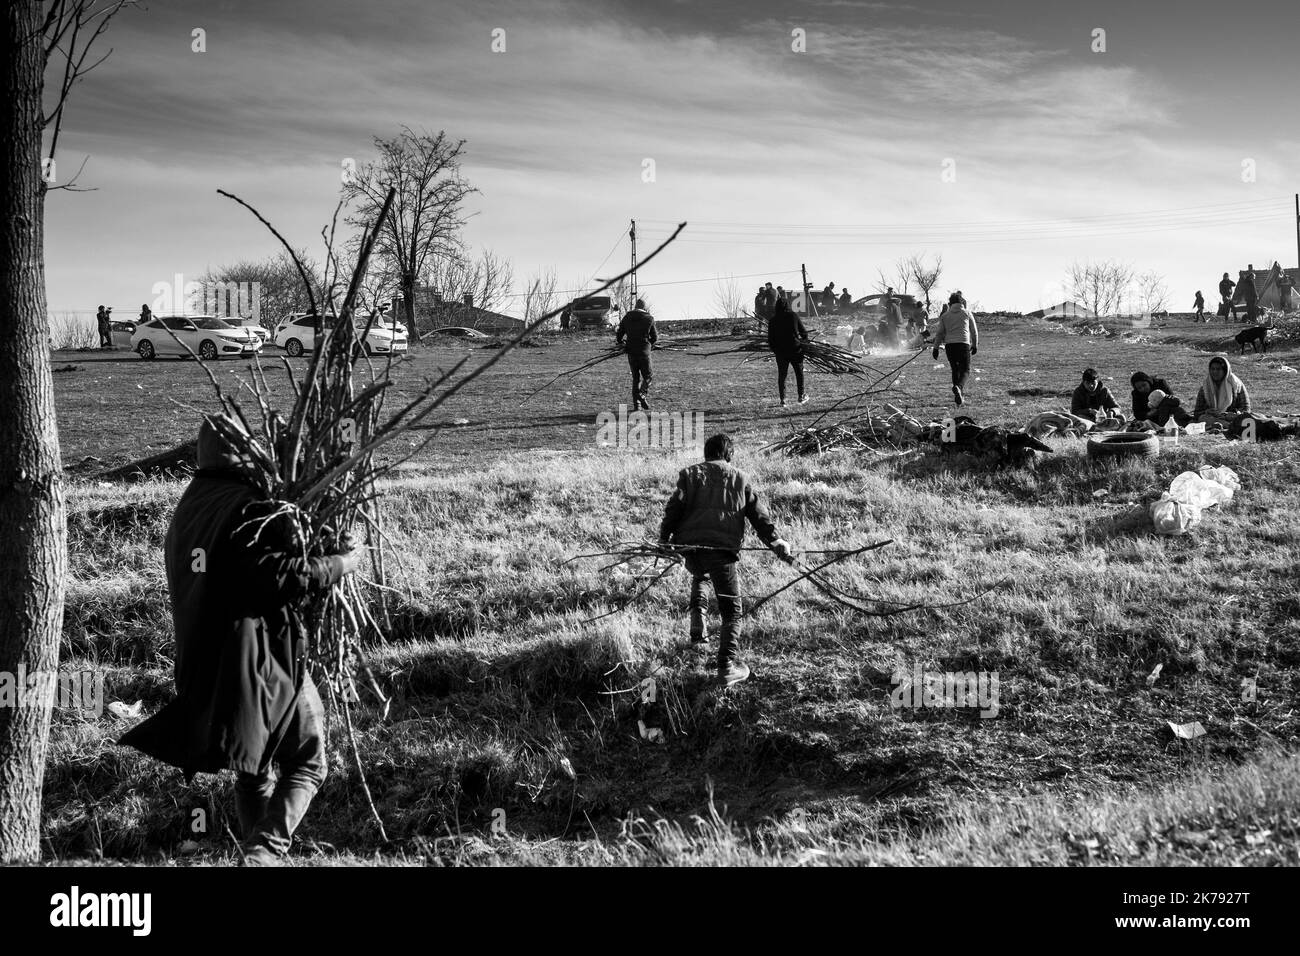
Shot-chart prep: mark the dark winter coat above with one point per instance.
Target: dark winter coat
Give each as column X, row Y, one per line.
column 638, row 328
column 709, row 509
column 1086, row 404
column 785, row 331
column 240, row 644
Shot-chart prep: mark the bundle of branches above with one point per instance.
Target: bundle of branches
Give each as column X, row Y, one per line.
column 824, row 356
column 317, row 464
column 652, row 562
column 879, row 425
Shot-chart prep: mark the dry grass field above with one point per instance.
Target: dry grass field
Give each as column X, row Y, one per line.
column 510, row 705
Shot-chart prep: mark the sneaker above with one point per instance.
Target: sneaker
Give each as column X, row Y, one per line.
column 734, row 673
column 803, row 399
column 956, row 395
column 260, row 856
column 783, row 405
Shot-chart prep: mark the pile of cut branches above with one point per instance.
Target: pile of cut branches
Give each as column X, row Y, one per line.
column 823, row 356
column 878, row 425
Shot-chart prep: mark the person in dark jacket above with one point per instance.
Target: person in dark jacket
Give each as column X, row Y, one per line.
column 1284, row 286
column 760, row 303
column 1249, row 294
column 786, row 337
column 1166, row 404
column 105, row 332
column 705, row 518
column 1226, row 286
column 637, row 333
column 1093, row 400
column 828, row 298
column 846, row 300
column 1199, row 306
column 244, row 699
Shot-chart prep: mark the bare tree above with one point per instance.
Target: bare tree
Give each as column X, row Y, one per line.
column 1151, row 293
column 1099, row 286
column 900, row 282
column 278, row 283
column 35, row 39
column 486, row 280
column 925, row 276
column 728, row 300
column 541, row 295
column 427, row 215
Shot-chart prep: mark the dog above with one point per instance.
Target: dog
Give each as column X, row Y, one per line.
column 1256, row 337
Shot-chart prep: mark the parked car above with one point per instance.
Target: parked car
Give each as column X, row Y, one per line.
column 460, row 332
column 595, row 312
column 297, row 334
column 912, row 310
column 120, row 332
column 260, row 330
column 203, row 335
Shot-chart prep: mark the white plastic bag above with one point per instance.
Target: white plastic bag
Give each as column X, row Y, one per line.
column 1171, row 516
column 1190, row 488
column 1223, row 475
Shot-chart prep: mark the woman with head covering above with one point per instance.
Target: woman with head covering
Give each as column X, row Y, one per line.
column 1154, row 401
column 1222, row 397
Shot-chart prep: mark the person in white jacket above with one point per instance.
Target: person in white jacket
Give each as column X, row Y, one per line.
column 959, row 336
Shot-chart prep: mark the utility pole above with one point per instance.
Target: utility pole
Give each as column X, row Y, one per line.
column 809, row 307
column 632, row 233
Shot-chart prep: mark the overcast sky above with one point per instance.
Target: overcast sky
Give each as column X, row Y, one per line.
column 834, row 157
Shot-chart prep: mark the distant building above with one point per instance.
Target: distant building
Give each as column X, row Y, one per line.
column 432, row 311
column 1064, row 310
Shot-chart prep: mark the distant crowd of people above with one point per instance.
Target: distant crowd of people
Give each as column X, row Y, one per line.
column 1247, row 290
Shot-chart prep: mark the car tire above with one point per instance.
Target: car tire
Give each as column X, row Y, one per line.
column 1124, row 445
column 207, row 350
column 293, row 347
column 145, row 350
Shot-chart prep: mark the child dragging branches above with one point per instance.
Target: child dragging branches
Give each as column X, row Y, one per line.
column 705, row 518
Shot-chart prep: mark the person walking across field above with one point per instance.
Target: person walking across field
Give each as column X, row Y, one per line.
column 705, row 517
column 1227, row 306
column 244, row 697
column 960, row 338
column 638, row 335
column 787, row 338
column 1199, row 306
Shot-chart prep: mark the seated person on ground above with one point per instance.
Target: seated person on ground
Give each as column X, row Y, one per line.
column 858, row 340
column 1222, row 397
column 1093, row 400
column 1154, row 401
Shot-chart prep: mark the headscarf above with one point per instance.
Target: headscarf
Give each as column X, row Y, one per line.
column 1219, row 397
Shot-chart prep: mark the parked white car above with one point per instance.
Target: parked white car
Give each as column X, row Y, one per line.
column 297, row 334
column 203, row 335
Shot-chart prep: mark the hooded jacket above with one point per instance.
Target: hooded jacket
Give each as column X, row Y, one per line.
column 235, row 582
column 785, row 331
column 638, row 328
column 1227, row 398
column 709, row 509
column 957, row 327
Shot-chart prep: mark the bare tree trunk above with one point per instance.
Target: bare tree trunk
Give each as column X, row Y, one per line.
column 407, row 284
column 33, row 556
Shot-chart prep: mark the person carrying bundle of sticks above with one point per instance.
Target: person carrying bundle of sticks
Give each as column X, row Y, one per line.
column 638, row 328
column 705, row 518
column 244, row 698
